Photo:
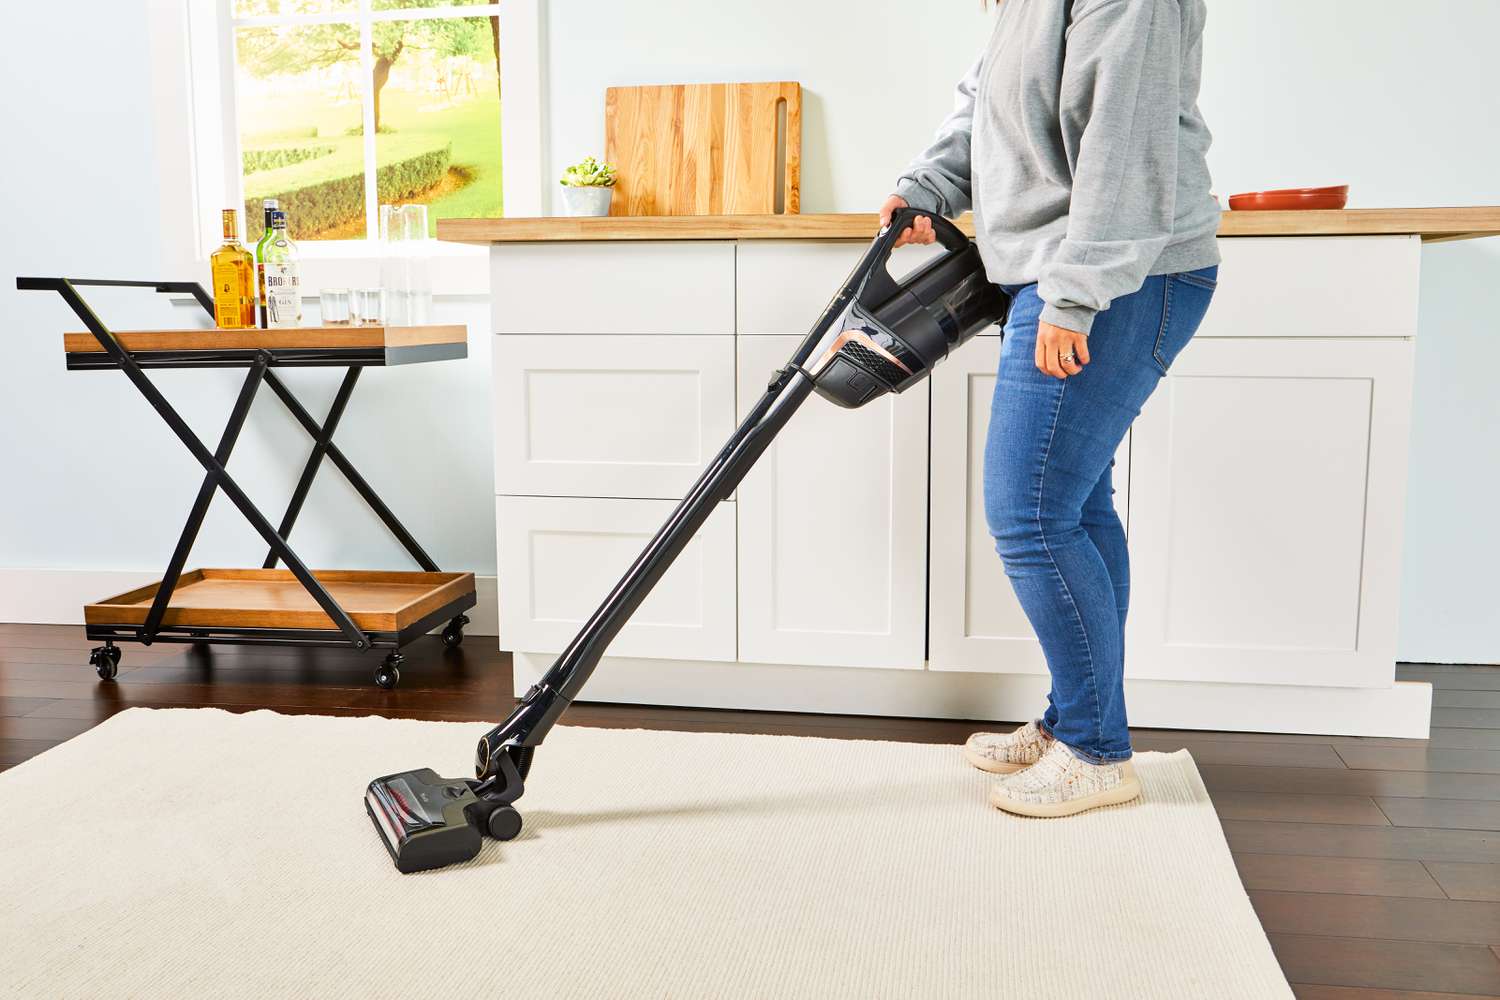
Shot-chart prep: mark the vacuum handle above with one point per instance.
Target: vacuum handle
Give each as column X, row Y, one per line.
column 949, row 235
column 880, row 285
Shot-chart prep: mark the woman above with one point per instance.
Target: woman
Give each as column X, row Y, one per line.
column 1077, row 142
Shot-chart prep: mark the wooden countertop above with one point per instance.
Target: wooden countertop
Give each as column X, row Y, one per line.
column 1432, row 224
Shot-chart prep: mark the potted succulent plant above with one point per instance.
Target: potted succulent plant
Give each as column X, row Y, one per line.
column 587, row 187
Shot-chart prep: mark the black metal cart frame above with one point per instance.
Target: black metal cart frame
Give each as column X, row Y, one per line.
column 259, row 365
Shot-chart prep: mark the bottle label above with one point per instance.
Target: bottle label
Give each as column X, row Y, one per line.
column 230, row 298
column 283, row 295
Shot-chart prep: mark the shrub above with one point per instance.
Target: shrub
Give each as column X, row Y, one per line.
column 255, row 160
column 405, row 178
column 329, row 191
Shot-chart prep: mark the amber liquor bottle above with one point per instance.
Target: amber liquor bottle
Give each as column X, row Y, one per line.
column 234, row 279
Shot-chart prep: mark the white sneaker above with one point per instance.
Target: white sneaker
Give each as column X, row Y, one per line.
column 1060, row 785
column 1007, row 753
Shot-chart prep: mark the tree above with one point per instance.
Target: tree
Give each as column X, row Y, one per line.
column 292, row 49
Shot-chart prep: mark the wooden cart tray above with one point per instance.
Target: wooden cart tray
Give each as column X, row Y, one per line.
column 378, row 601
column 302, row 338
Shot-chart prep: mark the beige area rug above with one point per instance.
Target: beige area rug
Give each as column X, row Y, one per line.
column 196, row 853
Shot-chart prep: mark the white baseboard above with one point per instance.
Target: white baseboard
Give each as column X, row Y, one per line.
column 1403, row 710
column 57, row 596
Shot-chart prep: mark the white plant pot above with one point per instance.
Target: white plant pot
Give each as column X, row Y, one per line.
column 587, row 200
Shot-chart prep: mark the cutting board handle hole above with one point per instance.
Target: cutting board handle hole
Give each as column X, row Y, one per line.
column 778, row 198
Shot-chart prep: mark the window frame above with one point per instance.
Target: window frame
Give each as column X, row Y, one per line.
column 198, row 142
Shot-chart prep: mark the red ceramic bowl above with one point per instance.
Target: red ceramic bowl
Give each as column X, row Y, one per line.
column 1290, row 199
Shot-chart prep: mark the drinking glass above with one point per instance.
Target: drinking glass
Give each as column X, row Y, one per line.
column 333, row 306
column 369, row 306
column 405, row 267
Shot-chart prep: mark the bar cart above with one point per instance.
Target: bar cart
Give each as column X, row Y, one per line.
column 295, row 606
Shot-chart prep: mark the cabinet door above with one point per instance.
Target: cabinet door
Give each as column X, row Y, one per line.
column 559, row 557
column 609, row 416
column 1266, row 506
column 832, row 526
column 976, row 623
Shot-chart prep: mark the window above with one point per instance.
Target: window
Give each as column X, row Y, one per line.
column 334, row 107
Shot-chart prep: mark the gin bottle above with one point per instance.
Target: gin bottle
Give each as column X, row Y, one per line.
column 283, row 280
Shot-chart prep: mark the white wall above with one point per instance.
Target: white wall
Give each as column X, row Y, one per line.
column 1399, row 102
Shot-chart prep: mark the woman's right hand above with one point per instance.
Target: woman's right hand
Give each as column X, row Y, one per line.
column 920, row 231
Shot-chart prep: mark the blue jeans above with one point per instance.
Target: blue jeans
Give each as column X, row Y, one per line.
column 1049, row 499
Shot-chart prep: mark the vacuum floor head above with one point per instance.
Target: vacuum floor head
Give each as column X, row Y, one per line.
column 895, row 332
column 425, row 821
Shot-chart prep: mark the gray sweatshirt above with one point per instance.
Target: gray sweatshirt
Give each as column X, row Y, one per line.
column 1077, row 142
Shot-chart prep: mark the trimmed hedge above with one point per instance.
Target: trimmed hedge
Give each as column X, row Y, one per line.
column 255, row 160
column 323, row 204
column 405, row 178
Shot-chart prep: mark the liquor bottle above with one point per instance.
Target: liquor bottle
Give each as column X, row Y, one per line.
column 283, row 280
column 268, row 206
column 234, row 279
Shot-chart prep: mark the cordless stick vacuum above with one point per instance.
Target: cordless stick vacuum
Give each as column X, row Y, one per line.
column 890, row 335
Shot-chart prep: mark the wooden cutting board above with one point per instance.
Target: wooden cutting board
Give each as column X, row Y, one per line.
column 705, row 149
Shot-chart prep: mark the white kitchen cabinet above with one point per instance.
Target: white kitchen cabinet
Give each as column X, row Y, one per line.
column 562, row 555
column 609, row 416
column 1266, row 513
column 639, row 287
column 1262, row 489
column 832, row 563
column 976, row 623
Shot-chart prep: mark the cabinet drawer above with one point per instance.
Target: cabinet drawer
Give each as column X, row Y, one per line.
column 604, row 416
column 626, row 287
column 1333, row 286
column 559, row 557
column 782, row 286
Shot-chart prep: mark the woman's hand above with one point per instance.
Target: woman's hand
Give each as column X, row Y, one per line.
column 919, row 231
column 1060, row 352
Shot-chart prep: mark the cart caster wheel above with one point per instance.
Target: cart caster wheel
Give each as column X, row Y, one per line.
column 388, row 674
column 504, row 823
column 106, row 662
column 453, row 635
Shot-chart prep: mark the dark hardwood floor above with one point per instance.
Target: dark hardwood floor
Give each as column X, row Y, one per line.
column 1374, row 863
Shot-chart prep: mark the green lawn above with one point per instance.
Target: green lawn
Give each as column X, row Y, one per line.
column 409, row 123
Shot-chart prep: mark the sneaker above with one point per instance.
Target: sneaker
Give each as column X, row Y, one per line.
column 1007, row 753
column 1060, row 785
